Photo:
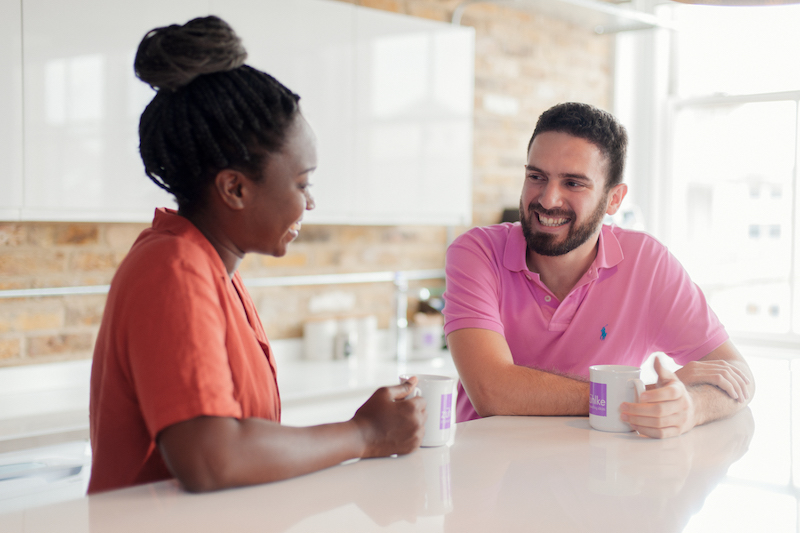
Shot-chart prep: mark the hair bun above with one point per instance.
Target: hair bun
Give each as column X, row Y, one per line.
column 172, row 56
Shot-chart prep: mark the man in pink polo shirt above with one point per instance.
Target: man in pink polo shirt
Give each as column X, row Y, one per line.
column 530, row 306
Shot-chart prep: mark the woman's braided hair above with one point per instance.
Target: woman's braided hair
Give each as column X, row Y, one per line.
column 211, row 111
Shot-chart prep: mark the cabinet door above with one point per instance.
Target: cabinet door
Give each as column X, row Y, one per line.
column 82, row 107
column 414, row 106
column 308, row 46
column 10, row 109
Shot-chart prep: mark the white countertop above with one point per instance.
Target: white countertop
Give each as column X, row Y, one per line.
column 47, row 404
column 504, row 474
column 501, row 474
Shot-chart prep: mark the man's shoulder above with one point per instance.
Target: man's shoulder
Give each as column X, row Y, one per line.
column 635, row 242
column 499, row 244
column 494, row 235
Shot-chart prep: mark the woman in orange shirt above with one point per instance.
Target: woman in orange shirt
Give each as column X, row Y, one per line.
column 183, row 379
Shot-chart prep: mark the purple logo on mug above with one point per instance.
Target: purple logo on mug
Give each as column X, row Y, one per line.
column 444, row 418
column 597, row 399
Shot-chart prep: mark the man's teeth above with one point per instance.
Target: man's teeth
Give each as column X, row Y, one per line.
column 295, row 226
column 547, row 221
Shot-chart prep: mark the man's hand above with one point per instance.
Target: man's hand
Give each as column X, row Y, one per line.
column 390, row 423
column 720, row 373
column 665, row 411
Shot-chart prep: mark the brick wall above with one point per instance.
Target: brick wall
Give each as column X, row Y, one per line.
column 524, row 64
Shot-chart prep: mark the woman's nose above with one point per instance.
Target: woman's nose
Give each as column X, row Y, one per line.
column 310, row 203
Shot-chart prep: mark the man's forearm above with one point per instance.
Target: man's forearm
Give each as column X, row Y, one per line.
column 711, row 403
column 518, row 390
column 497, row 386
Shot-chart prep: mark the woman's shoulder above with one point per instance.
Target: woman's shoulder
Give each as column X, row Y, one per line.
column 160, row 254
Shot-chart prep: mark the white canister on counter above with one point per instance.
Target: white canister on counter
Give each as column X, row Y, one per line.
column 367, row 348
column 346, row 342
column 318, row 339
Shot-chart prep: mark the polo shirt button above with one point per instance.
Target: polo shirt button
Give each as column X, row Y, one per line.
column 547, row 298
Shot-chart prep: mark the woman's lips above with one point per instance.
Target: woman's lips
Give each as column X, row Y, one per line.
column 294, row 229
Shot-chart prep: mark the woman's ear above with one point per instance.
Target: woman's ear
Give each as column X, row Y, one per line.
column 228, row 185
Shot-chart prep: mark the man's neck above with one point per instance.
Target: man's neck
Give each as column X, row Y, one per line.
column 561, row 273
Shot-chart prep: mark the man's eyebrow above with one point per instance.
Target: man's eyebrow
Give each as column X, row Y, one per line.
column 581, row 177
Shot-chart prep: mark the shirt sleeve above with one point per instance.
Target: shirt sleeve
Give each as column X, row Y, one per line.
column 176, row 344
column 472, row 286
column 682, row 323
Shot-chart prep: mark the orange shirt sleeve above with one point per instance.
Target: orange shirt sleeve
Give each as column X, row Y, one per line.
column 175, row 335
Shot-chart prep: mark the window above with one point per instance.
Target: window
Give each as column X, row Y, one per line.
column 724, row 188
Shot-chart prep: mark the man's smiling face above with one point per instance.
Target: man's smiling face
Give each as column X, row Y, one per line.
column 564, row 198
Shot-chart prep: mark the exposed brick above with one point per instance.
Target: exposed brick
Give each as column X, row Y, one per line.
column 122, row 236
column 80, row 234
column 84, row 310
column 12, row 234
column 290, row 260
column 88, row 261
column 385, row 5
column 10, row 349
column 31, row 261
column 431, row 12
column 25, row 317
column 60, row 344
column 41, row 233
column 315, row 233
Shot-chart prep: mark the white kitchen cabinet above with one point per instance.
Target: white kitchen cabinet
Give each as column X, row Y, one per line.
column 389, row 97
column 82, row 107
column 308, row 45
column 414, row 101
column 10, row 109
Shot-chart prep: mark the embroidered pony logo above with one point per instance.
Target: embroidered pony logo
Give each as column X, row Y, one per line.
column 603, row 333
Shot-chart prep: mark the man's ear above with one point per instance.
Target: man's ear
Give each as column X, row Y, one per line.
column 228, row 185
column 615, row 198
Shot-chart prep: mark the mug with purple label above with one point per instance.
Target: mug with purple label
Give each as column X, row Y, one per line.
column 609, row 387
column 438, row 392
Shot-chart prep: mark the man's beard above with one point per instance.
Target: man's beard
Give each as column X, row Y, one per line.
column 545, row 243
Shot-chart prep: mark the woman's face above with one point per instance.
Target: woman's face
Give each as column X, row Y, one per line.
column 280, row 199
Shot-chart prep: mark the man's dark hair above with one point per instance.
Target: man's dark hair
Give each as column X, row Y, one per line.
column 211, row 111
column 596, row 126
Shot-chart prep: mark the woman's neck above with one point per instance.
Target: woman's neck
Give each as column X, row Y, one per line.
column 214, row 230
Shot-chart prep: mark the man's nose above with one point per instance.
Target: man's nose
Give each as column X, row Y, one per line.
column 550, row 196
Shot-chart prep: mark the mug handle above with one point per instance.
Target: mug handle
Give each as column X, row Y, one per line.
column 638, row 385
column 415, row 392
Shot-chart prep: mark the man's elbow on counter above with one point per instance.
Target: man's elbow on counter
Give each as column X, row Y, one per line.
column 486, row 403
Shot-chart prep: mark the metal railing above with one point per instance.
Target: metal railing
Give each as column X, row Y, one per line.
column 400, row 278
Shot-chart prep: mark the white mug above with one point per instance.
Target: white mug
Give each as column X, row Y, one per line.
column 438, row 392
column 610, row 386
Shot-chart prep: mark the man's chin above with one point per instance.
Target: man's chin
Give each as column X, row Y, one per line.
column 546, row 244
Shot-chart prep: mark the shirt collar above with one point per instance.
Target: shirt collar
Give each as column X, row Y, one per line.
column 609, row 251
column 516, row 250
column 169, row 221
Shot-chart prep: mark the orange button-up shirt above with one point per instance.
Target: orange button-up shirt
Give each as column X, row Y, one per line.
column 179, row 339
